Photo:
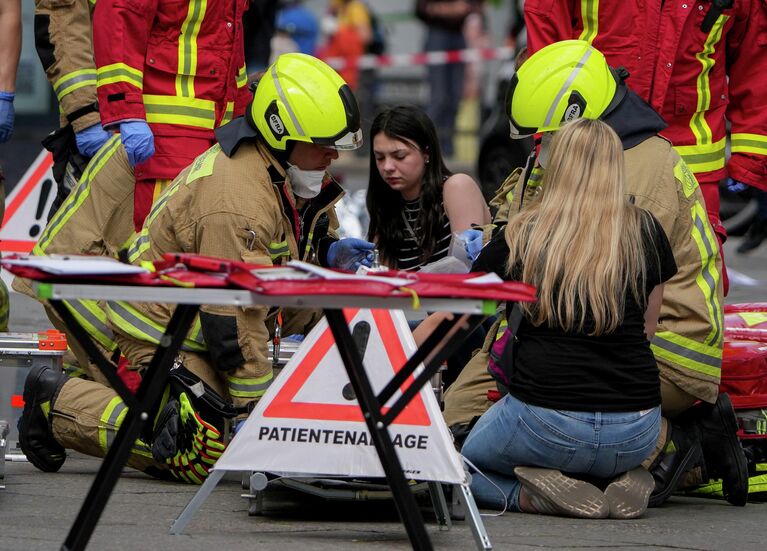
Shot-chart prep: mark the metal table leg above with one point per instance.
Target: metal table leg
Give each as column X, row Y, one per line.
column 151, row 389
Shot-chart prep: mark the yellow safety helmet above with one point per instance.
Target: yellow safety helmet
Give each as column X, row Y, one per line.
column 564, row 81
column 303, row 99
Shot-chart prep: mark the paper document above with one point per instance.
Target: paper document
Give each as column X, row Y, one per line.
column 332, row 274
column 77, row 265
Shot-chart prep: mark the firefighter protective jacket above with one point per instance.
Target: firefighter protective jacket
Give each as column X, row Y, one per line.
column 239, row 208
column 63, row 42
column 178, row 65
column 694, row 74
column 688, row 340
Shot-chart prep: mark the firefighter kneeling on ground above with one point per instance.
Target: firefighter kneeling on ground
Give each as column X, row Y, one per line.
column 698, row 441
column 260, row 195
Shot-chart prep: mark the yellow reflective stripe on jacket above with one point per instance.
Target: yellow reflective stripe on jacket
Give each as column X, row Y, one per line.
column 188, row 111
column 228, row 114
column 685, row 176
column 93, row 319
column 749, row 143
column 77, row 196
column 242, row 77
column 277, row 250
column 704, row 160
column 120, row 72
column 75, row 80
column 139, row 245
column 590, row 18
column 708, row 277
column 687, row 353
column 142, row 328
column 249, row 388
column 187, row 48
column 703, row 157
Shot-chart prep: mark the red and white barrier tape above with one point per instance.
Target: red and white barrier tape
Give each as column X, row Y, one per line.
column 469, row 55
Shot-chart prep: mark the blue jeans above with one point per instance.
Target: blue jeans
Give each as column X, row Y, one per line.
column 512, row 433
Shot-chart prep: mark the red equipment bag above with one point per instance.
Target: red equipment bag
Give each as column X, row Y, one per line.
column 744, row 366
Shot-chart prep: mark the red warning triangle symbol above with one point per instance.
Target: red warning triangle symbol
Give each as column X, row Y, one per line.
column 287, row 403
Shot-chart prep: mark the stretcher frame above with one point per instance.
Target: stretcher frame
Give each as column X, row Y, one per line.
column 441, row 344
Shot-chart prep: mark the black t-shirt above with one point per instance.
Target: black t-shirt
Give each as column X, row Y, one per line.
column 573, row 371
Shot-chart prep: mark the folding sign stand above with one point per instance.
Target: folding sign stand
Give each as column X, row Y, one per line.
column 310, row 411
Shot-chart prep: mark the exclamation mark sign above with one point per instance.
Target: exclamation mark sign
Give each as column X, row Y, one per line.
column 41, row 202
column 360, row 336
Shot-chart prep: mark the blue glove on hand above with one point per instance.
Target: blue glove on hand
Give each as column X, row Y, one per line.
column 735, row 186
column 472, row 240
column 7, row 114
column 91, row 139
column 350, row 253
column 138, row 141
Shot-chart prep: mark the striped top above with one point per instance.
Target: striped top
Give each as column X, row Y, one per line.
column 409, row 253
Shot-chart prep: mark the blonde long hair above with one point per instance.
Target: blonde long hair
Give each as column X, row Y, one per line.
column 581, row 245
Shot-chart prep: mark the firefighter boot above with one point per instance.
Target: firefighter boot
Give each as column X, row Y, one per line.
column 682, row 452
column 722, row 452
column 35, row 432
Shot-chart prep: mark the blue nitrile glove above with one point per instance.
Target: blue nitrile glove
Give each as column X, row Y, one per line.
column 7, row 114
column 735, row 186
column 350, row 253
column 472, row 240
column 91, row 139
column 138, row 141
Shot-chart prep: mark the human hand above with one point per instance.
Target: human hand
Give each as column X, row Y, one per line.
column 90, row 140
column 735, row 186
column 350, row 253
column 7, row 115
column 472, row 242
column 138, row 141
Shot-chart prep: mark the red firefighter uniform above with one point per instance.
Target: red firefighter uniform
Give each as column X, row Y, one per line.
column 180, row 66
column 697, row 65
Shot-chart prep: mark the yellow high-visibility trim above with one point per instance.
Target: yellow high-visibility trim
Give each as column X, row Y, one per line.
column 703, row 157
column 242, row 77
column 133, row 323
column 590, row 18
column 536, row 177
column 75, row 80
column 700, row 128
column 180, row 110
column 111, row 419
column 251, row 387
column 92, row 318
column 203, row 164
column 278, row 249
column 77, row 196
column 749, row 143
column 683, row 173
column 228, row 114
column 686, row 353
column 708, row 278
column 120, row 72
column 187, row 48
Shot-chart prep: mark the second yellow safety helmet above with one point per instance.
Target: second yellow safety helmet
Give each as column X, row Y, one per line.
column 564, row 81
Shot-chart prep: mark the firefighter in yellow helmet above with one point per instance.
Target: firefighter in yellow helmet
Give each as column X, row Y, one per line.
column 571, row 79
column 261, row 195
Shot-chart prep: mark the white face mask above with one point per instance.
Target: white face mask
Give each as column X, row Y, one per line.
column 543, row 152
column 306, row 183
